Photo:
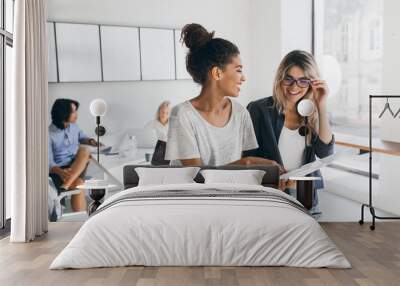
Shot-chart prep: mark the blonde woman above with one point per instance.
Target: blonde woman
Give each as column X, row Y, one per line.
column 277, row 122
column 160, row 123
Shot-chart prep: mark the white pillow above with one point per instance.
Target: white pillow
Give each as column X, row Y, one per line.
column 248, row 177
column 166, row 176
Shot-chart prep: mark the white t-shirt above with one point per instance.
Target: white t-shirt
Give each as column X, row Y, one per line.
column 161, row 130
column 291, row 147
column 191, row 136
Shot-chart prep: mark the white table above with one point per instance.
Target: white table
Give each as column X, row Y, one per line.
column 305, row 189
column 111, row 161
column 115, row 163
column 97, row 193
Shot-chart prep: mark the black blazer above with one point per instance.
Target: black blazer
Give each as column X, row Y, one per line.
column 268, row 123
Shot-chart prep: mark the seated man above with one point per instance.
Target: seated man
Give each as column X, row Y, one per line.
column 67, row 159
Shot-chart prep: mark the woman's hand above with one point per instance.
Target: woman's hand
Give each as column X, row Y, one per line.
column 191, row 162
column 320, row 91
column 283, row 184
column 93, row 142
column 63, row 173
column 66, row 174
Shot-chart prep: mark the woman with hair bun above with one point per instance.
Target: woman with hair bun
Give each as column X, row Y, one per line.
column 212, row 128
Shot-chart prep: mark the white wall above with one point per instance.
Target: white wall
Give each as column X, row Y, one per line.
column 253, row 25
column 390, row 128
column 265, row 50
column 276, row 28
column 296, row 25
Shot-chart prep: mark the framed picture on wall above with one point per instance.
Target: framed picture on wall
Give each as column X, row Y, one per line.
column 120, row 53
column 157, row 54
column 78, row 49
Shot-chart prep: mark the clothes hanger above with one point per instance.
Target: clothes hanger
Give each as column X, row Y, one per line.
column 397, row 113
column 387, row 107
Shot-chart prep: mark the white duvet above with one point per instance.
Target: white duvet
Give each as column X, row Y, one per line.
column 202, row 231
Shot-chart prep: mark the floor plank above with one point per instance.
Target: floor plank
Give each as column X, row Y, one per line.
column 375, row 257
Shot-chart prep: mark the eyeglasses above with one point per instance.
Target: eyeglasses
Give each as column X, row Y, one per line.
column 301, row 82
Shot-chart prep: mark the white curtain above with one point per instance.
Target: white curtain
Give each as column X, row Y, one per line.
column 27, row 121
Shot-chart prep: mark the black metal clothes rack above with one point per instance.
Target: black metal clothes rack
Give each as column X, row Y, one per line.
column 370, row 205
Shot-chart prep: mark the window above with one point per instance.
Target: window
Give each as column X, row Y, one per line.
column 6, row 43
column 344, row 42
column 351, row 35
column 375, row 36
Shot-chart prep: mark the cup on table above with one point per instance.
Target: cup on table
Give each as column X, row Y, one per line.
column 147, row 156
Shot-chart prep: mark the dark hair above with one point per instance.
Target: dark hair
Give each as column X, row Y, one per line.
column 61, row 111
column 205, row 52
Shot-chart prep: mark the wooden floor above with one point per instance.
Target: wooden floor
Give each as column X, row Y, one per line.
column 375, row 257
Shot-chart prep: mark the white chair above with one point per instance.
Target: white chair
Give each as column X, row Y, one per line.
column 56, row 209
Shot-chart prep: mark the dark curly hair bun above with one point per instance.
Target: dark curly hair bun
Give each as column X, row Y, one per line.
column 194, row 36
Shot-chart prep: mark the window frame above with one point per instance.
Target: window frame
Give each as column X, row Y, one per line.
column 338, row 123
column 6, row 39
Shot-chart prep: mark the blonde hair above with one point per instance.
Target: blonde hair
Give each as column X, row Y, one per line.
column 306, row 62
column 164, row 104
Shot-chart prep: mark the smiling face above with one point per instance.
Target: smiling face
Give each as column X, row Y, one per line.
column 164, row 114
column 231, row 77
column 293, row 93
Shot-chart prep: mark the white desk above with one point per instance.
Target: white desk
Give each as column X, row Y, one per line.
column 111, row 161
column 96, row 193
column 115, row 163
column 362, row 143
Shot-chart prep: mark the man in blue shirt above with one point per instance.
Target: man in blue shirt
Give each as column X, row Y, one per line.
column 67, row 158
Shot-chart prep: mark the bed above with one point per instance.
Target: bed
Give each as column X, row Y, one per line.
column 198, row 224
